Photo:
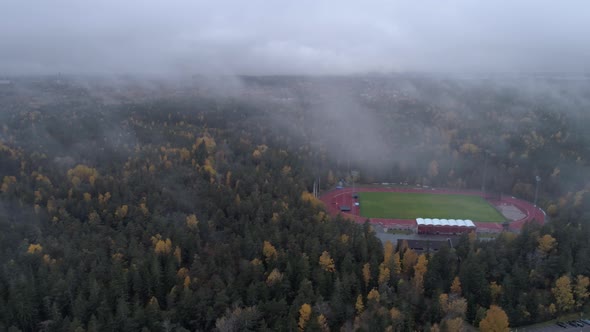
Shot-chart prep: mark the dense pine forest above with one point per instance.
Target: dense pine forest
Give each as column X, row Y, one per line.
column 188, row 207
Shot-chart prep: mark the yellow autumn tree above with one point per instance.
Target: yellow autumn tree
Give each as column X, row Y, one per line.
column 304, row 315
column 103, row 199
column 286, row 170
column 562, row 292
column 453, row 325
column 581, row 290
column 274, row 277
column 256, row 154
column 259, row 151
column 452, row 307
column 144, row 209
column 48, row 260
column 384, row 274
column 457, row 307
column 34, row 248
column 82, row 173
column 495, row 320
column 419, row 272
column 323, row 323
column 443, row 302
column 397, row 264
column 395, row 314
column 495, row 291
column 182, row 273
column 469, row 148
column 209, row 168
column 41, row 179
column 121, row 211
column 320, row 216
column 546, row 244
column 456, row 286
column 326, row 262
column 191, row 221
column 275, row 217
column 178, row 255
column 187, row 282
column 359, row 305
column 269, row 251
column 344, row 238
column 306, row 196
column 154, row 303
column 367, row 273
column 7, row 181
column 207, row 140
column 409, row 260
column 39, row 196
column 373, row 295
column 388, row 252
column 163, row 247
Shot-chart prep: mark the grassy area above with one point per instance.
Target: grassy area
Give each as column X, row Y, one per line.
column 415, row 205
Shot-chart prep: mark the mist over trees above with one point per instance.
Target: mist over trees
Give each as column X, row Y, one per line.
column 128, row 205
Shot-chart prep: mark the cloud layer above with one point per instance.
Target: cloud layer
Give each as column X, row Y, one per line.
column 292, row 37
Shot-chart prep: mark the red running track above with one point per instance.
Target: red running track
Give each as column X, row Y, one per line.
column 333, row 199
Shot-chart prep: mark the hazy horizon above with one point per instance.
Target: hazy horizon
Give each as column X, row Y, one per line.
column 284, row 38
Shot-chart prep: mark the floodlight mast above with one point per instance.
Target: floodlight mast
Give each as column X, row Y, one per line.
column 485, row 168
column 537, row 179
column 348, row 161
column 353, row 175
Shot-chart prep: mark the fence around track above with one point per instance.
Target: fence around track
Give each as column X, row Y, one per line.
column 335, row 198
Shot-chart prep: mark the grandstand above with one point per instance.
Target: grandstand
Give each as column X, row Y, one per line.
column 444, row 226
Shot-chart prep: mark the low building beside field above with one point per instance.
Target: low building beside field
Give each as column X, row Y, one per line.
column 425, row 246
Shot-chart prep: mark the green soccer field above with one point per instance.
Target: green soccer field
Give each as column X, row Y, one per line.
column 397, row 205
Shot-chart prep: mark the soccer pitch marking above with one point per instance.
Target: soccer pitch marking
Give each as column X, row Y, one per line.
column 403, row 205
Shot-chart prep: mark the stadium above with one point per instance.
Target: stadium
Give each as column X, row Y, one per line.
column 432, row 211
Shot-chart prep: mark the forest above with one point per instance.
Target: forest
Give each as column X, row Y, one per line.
column 172, row 207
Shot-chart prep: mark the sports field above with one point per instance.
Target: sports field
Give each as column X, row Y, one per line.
column 398, row 205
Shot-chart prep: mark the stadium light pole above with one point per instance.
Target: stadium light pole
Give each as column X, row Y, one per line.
column 354, row 173
column 485, row 168
column 537, row 179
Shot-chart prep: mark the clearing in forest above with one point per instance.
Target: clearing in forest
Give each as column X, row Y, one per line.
column 398, row 205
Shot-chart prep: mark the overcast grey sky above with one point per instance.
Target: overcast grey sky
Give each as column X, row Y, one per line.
column 292, row 37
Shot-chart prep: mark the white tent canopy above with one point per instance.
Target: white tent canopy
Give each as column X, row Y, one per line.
column 445, row 222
